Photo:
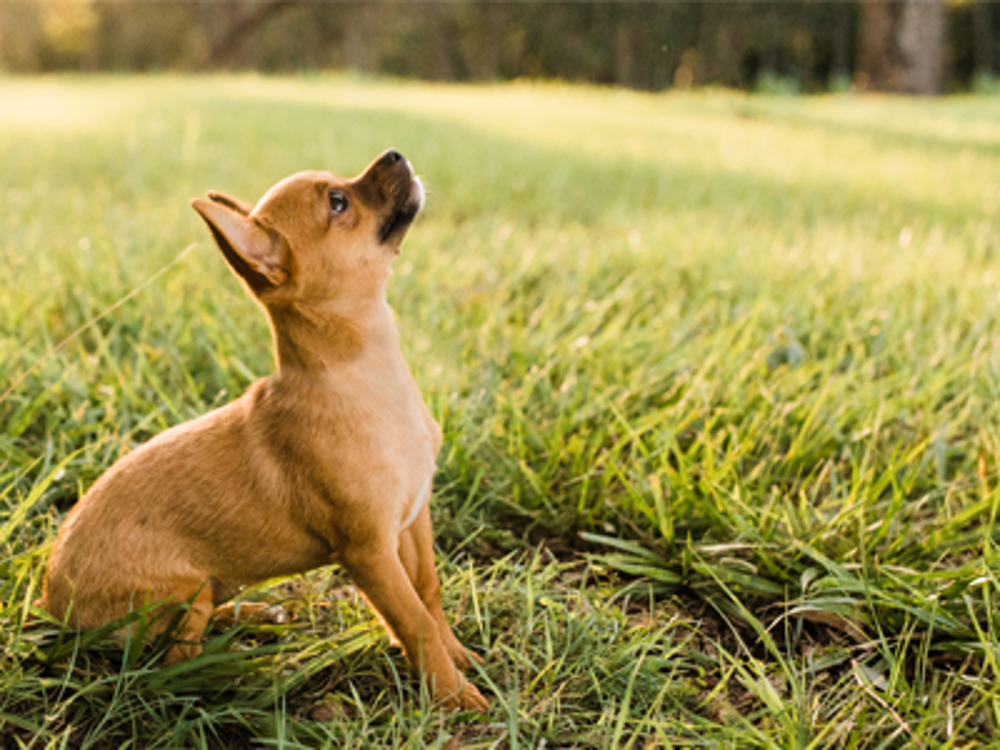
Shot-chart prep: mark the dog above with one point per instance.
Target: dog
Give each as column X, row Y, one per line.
column 328, row 460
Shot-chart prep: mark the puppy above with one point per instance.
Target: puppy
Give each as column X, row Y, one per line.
column 329, row 460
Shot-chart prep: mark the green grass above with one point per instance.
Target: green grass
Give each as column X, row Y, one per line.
column 719, row 381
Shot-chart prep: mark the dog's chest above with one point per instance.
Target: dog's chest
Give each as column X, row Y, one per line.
column 421, row 499
column 414, row 450
column 377, row 446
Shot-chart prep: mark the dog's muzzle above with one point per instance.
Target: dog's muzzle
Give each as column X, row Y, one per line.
column 403, row 191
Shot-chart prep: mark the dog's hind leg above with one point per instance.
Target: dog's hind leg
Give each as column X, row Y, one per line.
column 188, row 636
column 416, row 551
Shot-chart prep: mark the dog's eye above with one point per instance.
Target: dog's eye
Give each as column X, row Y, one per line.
column 338, row 202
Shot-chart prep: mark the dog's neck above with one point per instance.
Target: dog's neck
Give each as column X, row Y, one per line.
column 312, row 339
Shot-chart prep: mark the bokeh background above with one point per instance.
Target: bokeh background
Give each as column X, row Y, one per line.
column 718, row 372
column 911, row 46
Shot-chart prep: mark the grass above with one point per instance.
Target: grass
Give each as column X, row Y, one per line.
column 719, row 382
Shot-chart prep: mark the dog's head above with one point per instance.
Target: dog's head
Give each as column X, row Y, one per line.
column 316, row 237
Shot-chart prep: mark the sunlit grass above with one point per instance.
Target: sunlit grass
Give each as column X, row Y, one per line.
column 743, row 351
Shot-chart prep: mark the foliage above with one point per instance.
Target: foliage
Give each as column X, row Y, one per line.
column 750, row 44
column 718, row 379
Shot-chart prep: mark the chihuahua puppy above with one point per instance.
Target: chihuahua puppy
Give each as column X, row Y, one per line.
column 329, row 460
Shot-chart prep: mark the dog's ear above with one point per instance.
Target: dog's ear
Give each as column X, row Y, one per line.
column 236, row 204
column 255, row 253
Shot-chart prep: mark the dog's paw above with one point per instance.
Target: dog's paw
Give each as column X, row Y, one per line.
column 469, row 698
column 460, row 655
column 234, row 613
column 463, row 658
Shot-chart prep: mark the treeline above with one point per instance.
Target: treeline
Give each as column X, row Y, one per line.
column 918, row 46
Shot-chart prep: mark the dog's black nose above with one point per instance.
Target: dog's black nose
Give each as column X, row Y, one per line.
column 391, row 157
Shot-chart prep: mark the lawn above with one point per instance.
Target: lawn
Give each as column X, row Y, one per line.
column 719, row 377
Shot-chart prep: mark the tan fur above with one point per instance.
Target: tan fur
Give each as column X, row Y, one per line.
column 323, row 462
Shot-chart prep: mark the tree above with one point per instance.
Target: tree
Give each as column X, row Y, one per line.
column 982, row 23
column 901, row 46
column 245, row 21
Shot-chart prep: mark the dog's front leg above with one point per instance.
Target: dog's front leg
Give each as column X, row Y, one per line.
column 379, row 573
column 416, row 550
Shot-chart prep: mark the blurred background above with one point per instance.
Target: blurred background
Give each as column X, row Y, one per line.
column 908, row 46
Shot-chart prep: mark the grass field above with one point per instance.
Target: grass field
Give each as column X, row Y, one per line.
column 719, row 377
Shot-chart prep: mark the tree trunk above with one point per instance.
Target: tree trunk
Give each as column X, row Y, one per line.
column 625, row 41
column 840, row 64
column 982, row 28
column 922, row 42
column 720, row 44
column 226, row 47
column 879, row 58
column 901, row 46
column 444, row 63
column 357, row 29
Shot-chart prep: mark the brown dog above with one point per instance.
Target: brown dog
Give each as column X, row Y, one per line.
column 330, row 460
